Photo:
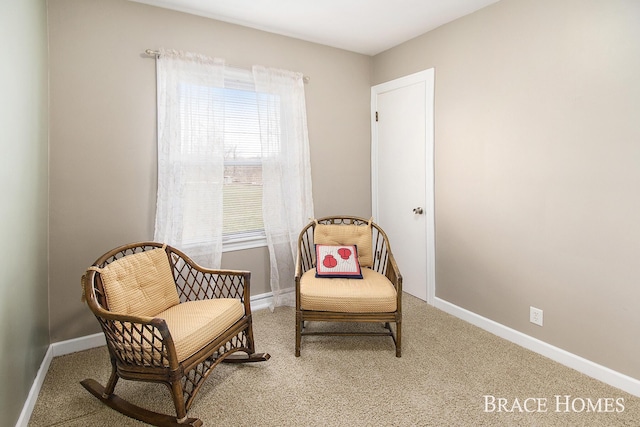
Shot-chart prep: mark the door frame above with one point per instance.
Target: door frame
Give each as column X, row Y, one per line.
column 428, row 77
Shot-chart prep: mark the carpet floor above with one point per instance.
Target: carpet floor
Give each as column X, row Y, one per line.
column 451, row 373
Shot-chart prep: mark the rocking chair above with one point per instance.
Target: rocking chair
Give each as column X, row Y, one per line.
column 345, row 272
column 166, row 320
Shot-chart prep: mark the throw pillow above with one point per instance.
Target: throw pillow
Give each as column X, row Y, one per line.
column 337, row 261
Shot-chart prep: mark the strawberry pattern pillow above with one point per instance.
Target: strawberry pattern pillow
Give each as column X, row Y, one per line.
column 338, row 262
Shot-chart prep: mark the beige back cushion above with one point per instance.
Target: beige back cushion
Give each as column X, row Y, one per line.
column 140, row 284
column 347, row 234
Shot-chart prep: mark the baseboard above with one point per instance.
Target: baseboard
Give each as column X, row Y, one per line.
column 258, row 302
column 30, row 403
column 262, row 301
column 580, row 364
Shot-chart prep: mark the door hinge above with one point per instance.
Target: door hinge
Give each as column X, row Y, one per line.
column 376, row 116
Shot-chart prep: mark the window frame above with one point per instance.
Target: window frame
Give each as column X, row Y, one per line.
column 237, row 79
column 241, row 79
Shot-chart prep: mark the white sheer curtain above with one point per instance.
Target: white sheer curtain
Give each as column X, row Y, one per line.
column 190, row 154
column 287, row 202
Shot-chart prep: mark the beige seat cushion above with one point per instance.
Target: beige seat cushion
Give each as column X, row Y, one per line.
column 374, row 293
column 345, row 235
column 194, row 324
column 140, row 284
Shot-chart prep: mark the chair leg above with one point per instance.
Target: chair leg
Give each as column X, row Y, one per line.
column 113, row 380
column 299, row 326
column 178, row 400
column 251, row 355
column 399, row 338
column 249, row 337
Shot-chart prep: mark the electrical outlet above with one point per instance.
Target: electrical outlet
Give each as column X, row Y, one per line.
column 535, row 316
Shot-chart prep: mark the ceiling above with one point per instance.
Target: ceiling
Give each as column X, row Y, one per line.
column 363, row 26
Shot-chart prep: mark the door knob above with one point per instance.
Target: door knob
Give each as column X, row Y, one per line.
column 418, row 211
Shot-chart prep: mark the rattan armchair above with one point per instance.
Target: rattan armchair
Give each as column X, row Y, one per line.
column 204, row 322
column 346, row 300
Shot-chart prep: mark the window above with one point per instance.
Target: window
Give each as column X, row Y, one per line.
column 235, row 108
column 227, row 140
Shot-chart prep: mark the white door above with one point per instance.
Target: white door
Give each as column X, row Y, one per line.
column 402, row 176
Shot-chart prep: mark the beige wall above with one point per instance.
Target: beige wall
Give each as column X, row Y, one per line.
column 537, row 168
column 24, row 329
column 536, row 153
column 103, row 137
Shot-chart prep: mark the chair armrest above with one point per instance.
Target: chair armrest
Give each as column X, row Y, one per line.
column 138, row 340
column 305, row 251
column 195, row 282
column 393, row 274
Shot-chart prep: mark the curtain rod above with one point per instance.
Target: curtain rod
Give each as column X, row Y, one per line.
column 156, row 54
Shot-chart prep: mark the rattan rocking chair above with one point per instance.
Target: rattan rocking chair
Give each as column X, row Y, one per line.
column 167, row 320
column 320, row 299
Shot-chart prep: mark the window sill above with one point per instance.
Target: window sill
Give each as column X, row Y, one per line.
column 244, row 243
